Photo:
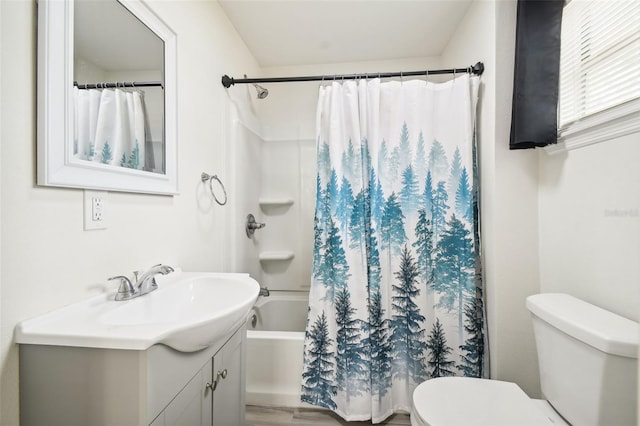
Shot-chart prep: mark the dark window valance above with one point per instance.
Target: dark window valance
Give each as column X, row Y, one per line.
column 534, row 117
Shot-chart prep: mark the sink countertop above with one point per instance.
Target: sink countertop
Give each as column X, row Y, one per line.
column 187, row 312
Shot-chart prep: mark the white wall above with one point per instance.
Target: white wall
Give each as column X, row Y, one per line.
column 47, row 260
column 589, row 202
column 509, row 211
column 590, row 224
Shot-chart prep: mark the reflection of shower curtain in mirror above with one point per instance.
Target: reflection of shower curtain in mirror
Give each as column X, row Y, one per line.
column 110, row 127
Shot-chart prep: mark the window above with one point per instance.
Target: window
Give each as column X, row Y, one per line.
column 599, row 64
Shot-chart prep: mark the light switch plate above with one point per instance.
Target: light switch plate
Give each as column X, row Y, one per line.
column 95, row 210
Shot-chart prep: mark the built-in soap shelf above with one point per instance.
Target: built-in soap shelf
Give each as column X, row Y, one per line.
column 274, row 256
column 275, row 204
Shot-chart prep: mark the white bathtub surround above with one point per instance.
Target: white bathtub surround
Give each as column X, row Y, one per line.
column 275, row 348
column 275, row 256
column 274, row 368
column 286, row 206
column 395, row 296
column 275, row 181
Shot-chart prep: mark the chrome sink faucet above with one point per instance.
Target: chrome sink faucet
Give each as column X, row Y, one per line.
column 126, row 290
column 147, row 281
column 143, row 285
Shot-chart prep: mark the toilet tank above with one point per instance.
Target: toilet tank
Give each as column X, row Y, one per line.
column 588, row 360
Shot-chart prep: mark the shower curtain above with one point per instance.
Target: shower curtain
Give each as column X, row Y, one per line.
column 396, row 289
column 110, row 127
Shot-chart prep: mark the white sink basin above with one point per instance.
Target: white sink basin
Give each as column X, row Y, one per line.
column 188, row 312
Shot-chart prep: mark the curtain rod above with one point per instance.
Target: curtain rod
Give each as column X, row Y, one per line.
column 476, row 69
column 119, row 84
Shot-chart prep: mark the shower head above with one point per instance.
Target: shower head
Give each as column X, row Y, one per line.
column 262, row 92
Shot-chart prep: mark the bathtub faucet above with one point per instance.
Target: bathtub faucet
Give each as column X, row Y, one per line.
column 147, row 282
column 252, row 225
column 264, row 291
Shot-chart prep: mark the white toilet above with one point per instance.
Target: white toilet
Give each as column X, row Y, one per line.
column 588, row 374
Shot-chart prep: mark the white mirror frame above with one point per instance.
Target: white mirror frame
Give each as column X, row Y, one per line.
column 55, row 163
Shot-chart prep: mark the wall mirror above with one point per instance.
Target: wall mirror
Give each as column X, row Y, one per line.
column 106, row 97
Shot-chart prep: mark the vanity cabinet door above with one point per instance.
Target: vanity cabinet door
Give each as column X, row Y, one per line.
column 229, row 396
column 159, row 421
column 215, row 395
column 192, row 406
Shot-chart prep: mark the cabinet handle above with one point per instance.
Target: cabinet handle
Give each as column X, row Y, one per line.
column 220, row 374
column 212, row 386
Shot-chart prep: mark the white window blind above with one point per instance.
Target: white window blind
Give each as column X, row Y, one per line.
column 599, row 58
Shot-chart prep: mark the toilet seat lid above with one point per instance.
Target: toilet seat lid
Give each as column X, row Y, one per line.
column 457, row 401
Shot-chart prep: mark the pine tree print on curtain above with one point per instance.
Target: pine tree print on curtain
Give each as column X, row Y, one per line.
column 396, row 289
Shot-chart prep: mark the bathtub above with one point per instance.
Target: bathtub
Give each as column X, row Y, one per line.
column 274, row 349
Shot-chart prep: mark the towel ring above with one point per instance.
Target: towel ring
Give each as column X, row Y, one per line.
column 206, row 177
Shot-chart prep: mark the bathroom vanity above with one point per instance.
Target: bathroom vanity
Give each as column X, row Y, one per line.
column 159, row 386
column 174, row 356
